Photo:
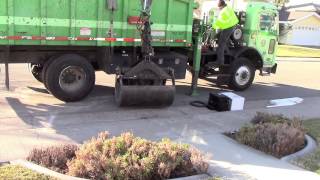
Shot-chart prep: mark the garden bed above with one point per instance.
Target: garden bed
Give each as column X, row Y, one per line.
column 312, row 161
column 123, row 157
column 273, row 134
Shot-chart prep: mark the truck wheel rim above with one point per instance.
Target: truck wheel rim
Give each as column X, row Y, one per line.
column 72, row 78
column 243, row 75
column 237, row 34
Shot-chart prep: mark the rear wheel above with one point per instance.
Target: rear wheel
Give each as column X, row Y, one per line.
column 242, row 73
column 70, row 78
column 45, row 68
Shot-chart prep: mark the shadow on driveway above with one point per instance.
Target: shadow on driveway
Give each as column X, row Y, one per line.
column 100, row 108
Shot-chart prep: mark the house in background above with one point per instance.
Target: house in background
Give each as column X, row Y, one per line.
column 300, row 25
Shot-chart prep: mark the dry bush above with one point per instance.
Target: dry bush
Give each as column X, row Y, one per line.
column 262, row 118
column 129, row 157
column 54, row 158
column 278, row 139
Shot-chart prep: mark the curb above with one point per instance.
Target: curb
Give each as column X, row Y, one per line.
column 43, row 170
column 4, row 163
column 195, row 177
column 46, row 171
column 310, row 147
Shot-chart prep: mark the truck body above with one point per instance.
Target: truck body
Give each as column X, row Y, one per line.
column 67, row 40
column 94, row 23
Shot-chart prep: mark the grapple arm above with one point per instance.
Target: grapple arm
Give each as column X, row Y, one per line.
column 145, row 84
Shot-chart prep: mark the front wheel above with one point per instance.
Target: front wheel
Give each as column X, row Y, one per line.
column 242, row 73
column 70, row 78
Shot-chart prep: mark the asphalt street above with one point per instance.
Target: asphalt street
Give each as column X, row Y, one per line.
column 295, row 77
column 30, row 117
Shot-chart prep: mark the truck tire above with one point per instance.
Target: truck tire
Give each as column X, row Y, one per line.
column 70, row 78
column 242, row 73
column 36, row 70
column 45, row 68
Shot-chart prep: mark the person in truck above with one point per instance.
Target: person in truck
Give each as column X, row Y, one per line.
column 225, row 23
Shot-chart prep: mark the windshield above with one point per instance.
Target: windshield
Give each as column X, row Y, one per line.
column 268, row 22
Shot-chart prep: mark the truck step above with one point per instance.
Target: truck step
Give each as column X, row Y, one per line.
column 265, row 73
column 216, row 65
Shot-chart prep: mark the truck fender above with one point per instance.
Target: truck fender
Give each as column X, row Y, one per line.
column 250, row 53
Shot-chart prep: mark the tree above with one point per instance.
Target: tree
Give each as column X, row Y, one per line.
column 280, row 3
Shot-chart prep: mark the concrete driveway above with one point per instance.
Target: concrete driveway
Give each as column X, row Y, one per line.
column 30, row 117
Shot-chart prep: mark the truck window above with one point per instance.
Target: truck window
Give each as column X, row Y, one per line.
column 267, row 22
column 272, row 46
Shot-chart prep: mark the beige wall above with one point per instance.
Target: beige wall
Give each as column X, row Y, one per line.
column 311, row 21
column 309, row 29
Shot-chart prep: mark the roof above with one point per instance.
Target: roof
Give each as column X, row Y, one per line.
column 311, row 7
column 291, row 16
column 302, row 18
column 291, row 13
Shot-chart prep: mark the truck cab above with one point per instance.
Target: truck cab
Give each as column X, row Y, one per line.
column 261, row 31
column 252, row 46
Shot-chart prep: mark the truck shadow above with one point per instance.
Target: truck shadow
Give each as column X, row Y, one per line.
column 100, row 106
column 259, row 91
column 98, row 90
column 40, row 90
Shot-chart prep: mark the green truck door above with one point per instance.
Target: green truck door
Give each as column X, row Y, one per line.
column 267, row 37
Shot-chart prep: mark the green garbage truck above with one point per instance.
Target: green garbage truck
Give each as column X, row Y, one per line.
column 147, row 44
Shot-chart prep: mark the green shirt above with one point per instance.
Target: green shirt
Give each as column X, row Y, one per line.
column 227, row 19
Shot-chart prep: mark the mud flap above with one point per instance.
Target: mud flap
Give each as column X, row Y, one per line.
column 223, row 79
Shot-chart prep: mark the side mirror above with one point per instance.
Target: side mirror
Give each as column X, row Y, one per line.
column 196, row 5
column 146, row 5
column 112, row 4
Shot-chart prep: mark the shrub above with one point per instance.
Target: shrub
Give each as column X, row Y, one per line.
column 54, row 158
column 273, row 134
column 263, row 118
column 129, row 157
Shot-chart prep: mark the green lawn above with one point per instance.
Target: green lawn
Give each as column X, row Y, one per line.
column 312, row 162
column 297, row 51
column 12, row 172
column 313, row 128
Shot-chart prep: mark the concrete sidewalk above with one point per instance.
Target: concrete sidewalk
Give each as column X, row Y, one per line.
column 19, row 134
